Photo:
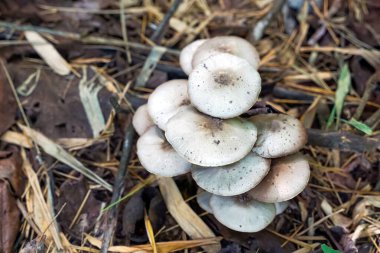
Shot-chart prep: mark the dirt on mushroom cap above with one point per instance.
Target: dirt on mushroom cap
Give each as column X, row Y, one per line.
column 166, row 99
column 227, row 44
column 208, row 141
column 278, row 135
column 158, row 157
column 244, row 215
column 224, row 86
column 287, row 178
column 233, row 179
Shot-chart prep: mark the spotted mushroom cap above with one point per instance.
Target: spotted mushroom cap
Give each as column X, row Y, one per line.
column 141, row 120
column 287, row 178
column 187, row 53
column 158, row 157
column 232, row 179
column 203, row 199
column 244, row 215
column 224, row 86
column 278, row 135
column 227, row 44
column 165, row 101
column 208, row 141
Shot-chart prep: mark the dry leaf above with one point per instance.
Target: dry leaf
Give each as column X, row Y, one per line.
column 10, row 185
column 48, row 53
column 187, row 219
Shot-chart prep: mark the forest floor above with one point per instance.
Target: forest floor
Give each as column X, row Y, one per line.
column 68, row 180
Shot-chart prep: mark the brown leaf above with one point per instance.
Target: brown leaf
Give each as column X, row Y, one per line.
column 73, row 193
column 10, row 169
column 8, row 104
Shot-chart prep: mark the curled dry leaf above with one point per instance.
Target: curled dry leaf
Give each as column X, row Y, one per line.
column 10, row 187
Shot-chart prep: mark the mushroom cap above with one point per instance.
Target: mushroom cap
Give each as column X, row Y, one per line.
column 187, row 53
column 158, row 157
column 287, row 178
column 224, row 86
column 242, row 215
column 281, row 207
column 278, row 135
column 227, row 44
column 165, row 100
column 208, row 141
column 203, row 199
column 141, row 120
column 232, row 179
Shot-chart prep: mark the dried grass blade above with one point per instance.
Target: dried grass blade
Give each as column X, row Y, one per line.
column 48, row 53
column 37, row 206
column 63, row 156
column 186, row 218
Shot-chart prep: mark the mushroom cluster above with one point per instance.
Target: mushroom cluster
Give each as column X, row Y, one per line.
column 247, row 167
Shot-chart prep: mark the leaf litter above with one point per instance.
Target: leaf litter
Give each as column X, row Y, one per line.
column 317, row 61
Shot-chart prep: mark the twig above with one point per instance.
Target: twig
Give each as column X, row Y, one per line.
column 157, row 51
column 157, row 35
column 118, row 187
column 370, row 87
column 342, row 140
column 89, row 39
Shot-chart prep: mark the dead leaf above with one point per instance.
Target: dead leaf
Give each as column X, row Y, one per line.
column 187, row 219
column 8, row 104
column 10, row 187
column 48, row 53
column 73, row 194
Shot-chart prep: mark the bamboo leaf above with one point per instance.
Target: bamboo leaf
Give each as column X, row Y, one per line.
column 344, row 85
column 359, row 125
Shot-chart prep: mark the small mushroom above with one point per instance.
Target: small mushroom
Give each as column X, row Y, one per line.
column 278, row 135
column 165, row 100
column 232, row 179
column 203, row 199
column 287, row 178
column 141, row 120
column 158, row 157
column 208, row 141
column 187, row 53
column 224, row 86
column 227, row 44
column 241, row 213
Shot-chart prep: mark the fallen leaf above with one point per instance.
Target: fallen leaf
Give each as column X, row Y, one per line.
column 344, row 86
column 48, row 53
column 8, row 105
column 10, row 188
column 72, row 195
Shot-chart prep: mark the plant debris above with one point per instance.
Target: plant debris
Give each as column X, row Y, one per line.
column 63, row 122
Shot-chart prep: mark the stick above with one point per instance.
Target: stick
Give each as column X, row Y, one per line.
column 118, row 187
column 89, row 39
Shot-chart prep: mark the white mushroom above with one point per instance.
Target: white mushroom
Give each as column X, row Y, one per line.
column 203, row 199
column 242, row 214
column 158, row 157
column 227, row 44
column 187, row 53
column 141, row 120
column 165, row 101
column 224, row 86
column 281, row 207
column 278, row 135
column 287, row 178
column 232, row 179
column 208, row 141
